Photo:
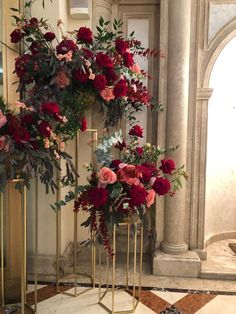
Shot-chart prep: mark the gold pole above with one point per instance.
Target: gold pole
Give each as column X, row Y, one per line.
column 141, row 262
column 75, row 250
column 113, row 269
column 2, row 249
column 135, row 261
column 36, row 247
column 127, row 256
column 58, row 232
column 23, row 252
column 100, row 272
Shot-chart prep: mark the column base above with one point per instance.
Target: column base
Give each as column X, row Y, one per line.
column 173, row 249
column 187, row 264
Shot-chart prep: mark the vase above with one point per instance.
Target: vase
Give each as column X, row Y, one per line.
column 131, row 260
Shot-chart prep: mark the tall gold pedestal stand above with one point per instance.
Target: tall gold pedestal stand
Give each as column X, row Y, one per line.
column 23, row 276
column 135, row 291
column 76, row 274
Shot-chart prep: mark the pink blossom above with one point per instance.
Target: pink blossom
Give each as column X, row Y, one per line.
column 106, row 176
column 107, row 93
column 134, row 87
column 136, row 68
column 3, row 119
column 3, row 144
column 152, row 180
column 20, row 104
column 150, row 197
column 62, row 80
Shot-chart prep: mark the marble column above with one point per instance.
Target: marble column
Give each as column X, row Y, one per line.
column 167, row 260
column 177, row 118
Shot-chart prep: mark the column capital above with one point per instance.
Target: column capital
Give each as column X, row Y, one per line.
column 204, row 93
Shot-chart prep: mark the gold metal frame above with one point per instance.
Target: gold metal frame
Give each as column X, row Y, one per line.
column 58, row 231
column 136, row 297
column 23, row 303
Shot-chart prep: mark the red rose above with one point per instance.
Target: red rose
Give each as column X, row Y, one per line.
column 34, row 144
column 16, row 36
column 17, row 131
column 45, row 129
column 27, row 119
column 121, row 46
column 49, row 36
column 80, row 76
column 136, row 130
column 104, row 61
column 146, row 173
column 120, row 89
column 120, row 145
column 34, row 21
column 161, row 186
column 151, row 166
column 88, row 53
column 128, row 59
column 167, row 166
column 65, row 46
column 137, row 195
column 100, row 82
column 139, row 151
column 115, row 164
column 111, row 75
column 85, row 35
column 21, row 70
column 34, row 47
column 98, row 196
column 83, row 124
column 50, row 108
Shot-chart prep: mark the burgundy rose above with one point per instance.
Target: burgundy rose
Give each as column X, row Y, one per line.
column 83, row 124
column 49, row 36
column 146, row 173
column 85, row 35
column 139, row 151
column 50, row 108
column 136, row 130
column 100, row 82
column 167, row 166
column 80, row 76
column 128, row 59
column 98, row 196
column 88, row 53
column 17, row 131
column 34, row 21
column 34, row 144
column 120, row 145
column 161, row 186
column 111, row 75
column 115, row 164
column 121, row 46
column 151, row 166
column 104, row 61
column 35, row 47
column 137, row 195
column 45, row 129
column 16, row 36
column 120, row 89
column 27, row 119
column 65, row 46
column 21, row 70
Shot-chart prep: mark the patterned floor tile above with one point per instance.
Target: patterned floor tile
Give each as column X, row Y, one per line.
column 171, row 297
column 191, row 303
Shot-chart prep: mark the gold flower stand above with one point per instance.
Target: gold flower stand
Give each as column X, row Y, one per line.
column 5, row 200
column 76, row 273
column 135, row 289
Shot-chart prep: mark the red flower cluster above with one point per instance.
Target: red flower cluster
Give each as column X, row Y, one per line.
column 85, row 35
column 136, row 130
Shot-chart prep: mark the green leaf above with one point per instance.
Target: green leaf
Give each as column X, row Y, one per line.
column 14, row 9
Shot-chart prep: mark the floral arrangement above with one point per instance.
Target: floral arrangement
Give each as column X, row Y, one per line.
column 125, row 188
column 31, row 143
column 80, row 70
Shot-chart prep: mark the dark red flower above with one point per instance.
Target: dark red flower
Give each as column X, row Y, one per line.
column 34, row 144
column 65, row 46
column 161, row 186
column 151, row 166
column 85, row 35
column 120, row 145
column 50, row 108
column 121, row 46
column 100, row 82
column 128, row 59
column 139, row 151
column 137, row 195
column 80, row 76
column 111, row 75
column 115, row 164
column 120, row 89
column 16, row 36
column 45, row 129
column 167, row 166
column 83, row 124
column 136, row 130
column 49, row 36
column 21, row 68
column 35, row 47
column 34, row 21
column 88, row 53
column 16, row 130
column 104, row 61
column 146, row 173
column 97, row 196
column 27, row 119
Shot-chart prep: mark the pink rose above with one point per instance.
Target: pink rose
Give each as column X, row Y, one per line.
column 3, row 119
column 62, row 80
column 150, row 198
column 106, row 176
column 107, row 93
column 136, row 68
